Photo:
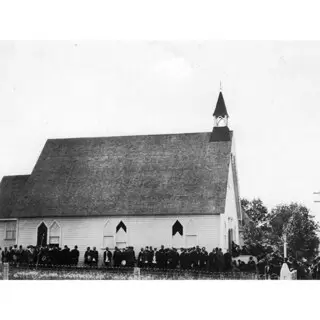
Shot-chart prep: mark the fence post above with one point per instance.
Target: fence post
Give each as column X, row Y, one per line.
column 5, row 271
column 136, row 273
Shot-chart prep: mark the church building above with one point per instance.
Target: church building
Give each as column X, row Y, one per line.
column 176, row 190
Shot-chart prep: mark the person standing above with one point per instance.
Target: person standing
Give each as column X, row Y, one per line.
column 107, row 257
column 131, row 257
column 95, row 257
column 65, row 256
column 5, row 255
column 88, row 257
column 140, row 258
column 145, row 258
column 161, row 258
column 220, row 260
column 203, row 259
column 116, row 257
column 150, row 257
column 212, row 260
column 154, row 258
column 75, row 256
column 252, row 264
column 227, row 261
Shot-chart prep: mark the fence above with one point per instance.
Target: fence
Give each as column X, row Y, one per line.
column 33, row 272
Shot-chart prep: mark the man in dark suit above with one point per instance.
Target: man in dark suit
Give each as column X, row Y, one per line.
column 74, row 256
column 5, row 255
column 88, row 257
column 140, row 258
column 107, row 257
column 161, row 258
column 150, row 257
column 65, row 256
column 116, row 257
column 227, row 261
column 95, row 257
column 203, row 258
column 145, row 258
column 130, row 257
column 220, row 260
column 212, row 261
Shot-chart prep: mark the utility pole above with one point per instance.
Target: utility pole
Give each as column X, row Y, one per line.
column 285, row 246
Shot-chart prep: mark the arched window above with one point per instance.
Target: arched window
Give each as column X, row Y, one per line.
column 191, row 235
column 108, row 235
column 42, row 234
column 54, row 235
column 121, row 235
column 177, row 228
column 121, row 225
column 177, row 235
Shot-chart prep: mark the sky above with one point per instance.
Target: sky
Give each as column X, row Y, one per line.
column 60, row 89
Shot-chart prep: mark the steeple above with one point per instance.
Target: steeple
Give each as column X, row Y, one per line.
column 220, row 130
column 220, row 113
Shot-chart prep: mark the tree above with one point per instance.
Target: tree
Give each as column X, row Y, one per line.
column 255, row 210
column 256, row 227
column 295, row 221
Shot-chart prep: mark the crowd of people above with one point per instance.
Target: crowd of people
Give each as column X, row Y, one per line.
column 48, row 255
column 267, row 264
column 165, row 258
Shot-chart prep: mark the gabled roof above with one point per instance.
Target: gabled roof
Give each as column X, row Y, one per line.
column 10, row 190
column 133, row 175
column 221, row 109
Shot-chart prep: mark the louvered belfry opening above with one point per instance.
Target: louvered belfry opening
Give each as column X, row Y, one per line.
column 177, row 228
column 42, row 235
column 121, row 225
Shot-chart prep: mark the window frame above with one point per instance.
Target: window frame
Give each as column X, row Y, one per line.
column 54, row 222
column 13, row 231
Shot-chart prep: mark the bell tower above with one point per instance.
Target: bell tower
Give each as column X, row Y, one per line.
column 220, row 130
column 220, row 115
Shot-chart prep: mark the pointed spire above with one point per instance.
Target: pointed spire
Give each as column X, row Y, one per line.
column 221, row 110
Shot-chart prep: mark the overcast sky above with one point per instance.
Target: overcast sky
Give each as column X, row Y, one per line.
column 81, row 89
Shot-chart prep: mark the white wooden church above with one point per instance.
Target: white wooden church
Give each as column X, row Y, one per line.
column 176, row 190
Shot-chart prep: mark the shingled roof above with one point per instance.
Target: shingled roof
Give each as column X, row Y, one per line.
column 11, row 188
column 128, row 175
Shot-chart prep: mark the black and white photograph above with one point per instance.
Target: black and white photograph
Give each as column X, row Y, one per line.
column 159, row 160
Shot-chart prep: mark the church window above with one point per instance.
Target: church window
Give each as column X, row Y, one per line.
column 191, row 234
column 121, row 225
column 55, row 231
column 11, row 230
column 177, row 235
column 177, row 228
column 108, row 236
column 121, row 235
column 42, row 235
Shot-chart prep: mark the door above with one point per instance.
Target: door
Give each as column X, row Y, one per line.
column 42, row 235
column 230, row 238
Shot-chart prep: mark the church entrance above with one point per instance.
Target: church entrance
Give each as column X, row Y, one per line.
column 42, row 235
column 230, row 238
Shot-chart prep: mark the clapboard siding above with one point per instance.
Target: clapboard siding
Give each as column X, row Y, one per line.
column 230, row 217
column 141, row 231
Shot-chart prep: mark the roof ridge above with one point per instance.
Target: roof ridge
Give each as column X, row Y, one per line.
column 130, row 136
